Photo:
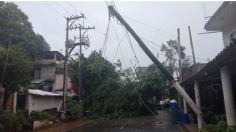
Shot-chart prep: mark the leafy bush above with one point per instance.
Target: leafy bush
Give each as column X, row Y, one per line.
column 8, row 121
column 220, row 127
column 39, row 116
column 73, row 109
column 12, row 121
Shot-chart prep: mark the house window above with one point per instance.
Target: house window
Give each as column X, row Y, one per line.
column 37, row 73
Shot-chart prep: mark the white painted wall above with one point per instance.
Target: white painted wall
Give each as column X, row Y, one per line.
column 59, row 82
column 39, row 103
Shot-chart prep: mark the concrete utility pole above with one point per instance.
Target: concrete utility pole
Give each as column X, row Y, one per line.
column 180, row 64
column 69, row 26
column 191, row 42
column 175, row 83
column 196, row 83
column 180, row 57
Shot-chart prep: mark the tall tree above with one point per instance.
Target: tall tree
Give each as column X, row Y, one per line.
column 18, row 71
column 171, row 53
column 15, row 27
column 16, row 34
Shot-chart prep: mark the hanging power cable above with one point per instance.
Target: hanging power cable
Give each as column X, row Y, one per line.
column 118, row 46
column 106, row 37
column 151, row 26
column 130, row 42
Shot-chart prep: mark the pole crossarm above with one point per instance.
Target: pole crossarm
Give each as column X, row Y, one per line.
column 74, row 17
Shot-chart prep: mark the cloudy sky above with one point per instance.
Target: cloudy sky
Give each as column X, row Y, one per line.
column 154, row 22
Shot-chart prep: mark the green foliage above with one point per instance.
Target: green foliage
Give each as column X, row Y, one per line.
column 16, row 32
column 171, row 53
column 209, row 116
column 112, row 92
column 8, row 121
column 220, row 127
column 15, row 27
column 153, row 83
column 19, row 67
column 73, row 109
column 40, row 116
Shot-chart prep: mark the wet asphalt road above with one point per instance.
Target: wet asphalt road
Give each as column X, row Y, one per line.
column 158, row 123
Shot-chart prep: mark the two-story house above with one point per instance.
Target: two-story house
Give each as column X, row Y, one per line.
column 217, row 79
column 49, row 69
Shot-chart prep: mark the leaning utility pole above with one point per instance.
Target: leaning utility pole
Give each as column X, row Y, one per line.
column 175, row 83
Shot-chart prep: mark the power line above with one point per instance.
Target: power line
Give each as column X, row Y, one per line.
column 62, row 8
column 118, row 46
column 151, row 42
column 106, row 37
column 151, row 26
column 54, row 9
column 131, row 45
column 130, row 42
column 73, row 7
column 117, row 38
column 122, row 57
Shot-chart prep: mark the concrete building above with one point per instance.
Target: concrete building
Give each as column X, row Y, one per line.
column 49, row 68
column 217, row 79
column 38, row 100
column 224, row 20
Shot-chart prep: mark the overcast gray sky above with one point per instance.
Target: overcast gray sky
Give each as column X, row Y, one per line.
column 161, row 20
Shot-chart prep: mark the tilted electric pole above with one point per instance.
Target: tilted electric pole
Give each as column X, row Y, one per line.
column 175, row 83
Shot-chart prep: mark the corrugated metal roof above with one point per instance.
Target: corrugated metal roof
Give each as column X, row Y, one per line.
column 42, row 93
column 227, row 55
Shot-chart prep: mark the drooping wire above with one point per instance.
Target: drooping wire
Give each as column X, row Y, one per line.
column 122, row 57
column 117, row 38
column 106, row 37
column 140, row 96
column 151, row 26
column 139, row 66
column 118, row 46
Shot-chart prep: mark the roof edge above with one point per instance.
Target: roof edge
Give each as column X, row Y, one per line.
column 223, row 5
